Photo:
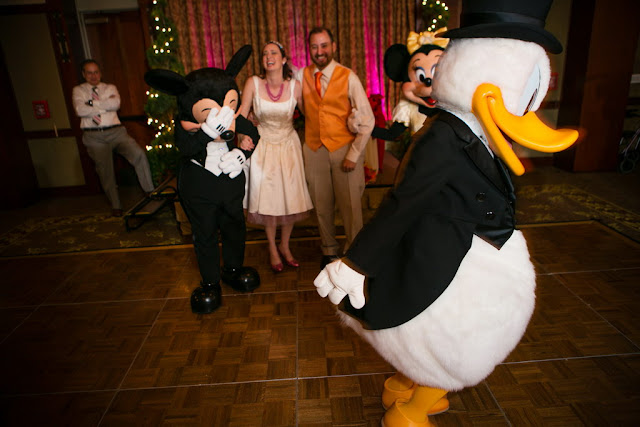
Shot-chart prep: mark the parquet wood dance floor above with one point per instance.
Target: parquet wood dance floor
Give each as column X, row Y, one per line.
column 109, row 339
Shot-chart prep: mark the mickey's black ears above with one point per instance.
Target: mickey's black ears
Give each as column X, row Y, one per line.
column 166, row 81
column 239, row 59
column 396, row 61
column 174, row 84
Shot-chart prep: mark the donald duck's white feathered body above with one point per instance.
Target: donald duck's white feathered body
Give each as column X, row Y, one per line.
column 449, row 284
column 480, row 317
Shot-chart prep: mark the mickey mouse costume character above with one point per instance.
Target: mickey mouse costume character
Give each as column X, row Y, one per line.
column 449, row 286
column 211, row 182
column 413, row 65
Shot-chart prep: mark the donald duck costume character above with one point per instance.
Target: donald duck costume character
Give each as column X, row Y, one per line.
column 439, row 281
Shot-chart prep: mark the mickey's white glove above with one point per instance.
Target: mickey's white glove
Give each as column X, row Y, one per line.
column 231, row 162
column 354, row 121
column 338, row 280
column 218, row 121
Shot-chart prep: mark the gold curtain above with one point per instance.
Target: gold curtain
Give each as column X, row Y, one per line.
column 211, row 31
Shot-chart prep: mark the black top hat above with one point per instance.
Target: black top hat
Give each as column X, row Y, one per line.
column 510, row 19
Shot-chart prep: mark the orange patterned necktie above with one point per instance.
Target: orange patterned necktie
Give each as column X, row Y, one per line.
column 319, row 83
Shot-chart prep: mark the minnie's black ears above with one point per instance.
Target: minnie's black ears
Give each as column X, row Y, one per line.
column 239, row 59
column 166, row 81
column 396, row 61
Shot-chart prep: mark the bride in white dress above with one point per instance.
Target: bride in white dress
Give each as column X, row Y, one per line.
column 277, row 189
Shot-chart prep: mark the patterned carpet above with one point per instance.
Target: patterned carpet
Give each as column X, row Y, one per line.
column 536, row 204
column 87, row 233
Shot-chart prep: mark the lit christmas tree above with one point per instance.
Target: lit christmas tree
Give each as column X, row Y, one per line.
column 160, row 108
column 435, row 14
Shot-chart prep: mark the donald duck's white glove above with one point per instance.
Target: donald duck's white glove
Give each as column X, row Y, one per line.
column 231, row 162
column 354, row 121
column 338, row 280
column 218, row 121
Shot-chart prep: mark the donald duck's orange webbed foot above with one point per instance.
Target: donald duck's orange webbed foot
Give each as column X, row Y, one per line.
column 414, row 412
column 397, row 387
column 400, row 387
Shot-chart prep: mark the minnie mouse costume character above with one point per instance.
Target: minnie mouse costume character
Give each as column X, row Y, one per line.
column 413, row 65
column 449, row 284
column 211, row 182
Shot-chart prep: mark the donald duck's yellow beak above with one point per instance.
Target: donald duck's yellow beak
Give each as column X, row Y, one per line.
column 529, row 131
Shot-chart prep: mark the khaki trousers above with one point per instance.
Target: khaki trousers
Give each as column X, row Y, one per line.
column 100, row 146
column 330, row 186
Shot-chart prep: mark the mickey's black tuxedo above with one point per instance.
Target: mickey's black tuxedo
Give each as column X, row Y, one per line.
column 449, row 188
column 213, row 203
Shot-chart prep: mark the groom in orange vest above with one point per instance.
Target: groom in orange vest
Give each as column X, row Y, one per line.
column 334, row 155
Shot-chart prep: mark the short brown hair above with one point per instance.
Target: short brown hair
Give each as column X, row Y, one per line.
column 318, row 30
column 286, row 69
column 87, row 62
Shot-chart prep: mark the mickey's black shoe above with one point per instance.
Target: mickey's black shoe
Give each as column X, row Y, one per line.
column 243, row 279
column 206, row 298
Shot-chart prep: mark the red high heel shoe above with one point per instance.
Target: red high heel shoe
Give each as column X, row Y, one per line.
column 290, row 262
column 277, row 268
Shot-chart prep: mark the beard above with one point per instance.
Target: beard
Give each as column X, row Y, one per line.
column 322, row 61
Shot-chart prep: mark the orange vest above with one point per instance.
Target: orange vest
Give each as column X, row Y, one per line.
column 326, row 118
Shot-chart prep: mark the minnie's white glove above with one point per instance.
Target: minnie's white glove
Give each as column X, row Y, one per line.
column 231, row 162
column 218, row 121
column 338, row 280
column 354, row 121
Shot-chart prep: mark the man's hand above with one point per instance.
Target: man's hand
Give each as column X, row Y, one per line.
column 245, row 142
column 348, row 165
column 218, row 122
column 338, row 280
column 231, row 162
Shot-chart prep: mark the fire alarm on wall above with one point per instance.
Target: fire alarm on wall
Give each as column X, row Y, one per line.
column 41, row 109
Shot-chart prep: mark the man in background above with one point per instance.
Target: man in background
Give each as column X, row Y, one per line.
column 333, row 154
column 97, row 103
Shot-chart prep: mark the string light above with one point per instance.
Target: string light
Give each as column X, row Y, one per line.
column 162, row 152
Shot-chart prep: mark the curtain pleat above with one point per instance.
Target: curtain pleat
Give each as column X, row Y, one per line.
column 211, row 31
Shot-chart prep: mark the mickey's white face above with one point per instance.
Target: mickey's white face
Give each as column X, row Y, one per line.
column 203, row 107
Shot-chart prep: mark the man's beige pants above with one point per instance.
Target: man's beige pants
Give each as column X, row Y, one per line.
column 330, row 186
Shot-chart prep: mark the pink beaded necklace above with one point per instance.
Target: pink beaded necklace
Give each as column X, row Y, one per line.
column 274, row 98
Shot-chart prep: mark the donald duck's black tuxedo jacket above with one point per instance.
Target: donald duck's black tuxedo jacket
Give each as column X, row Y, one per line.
column 448, row 189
